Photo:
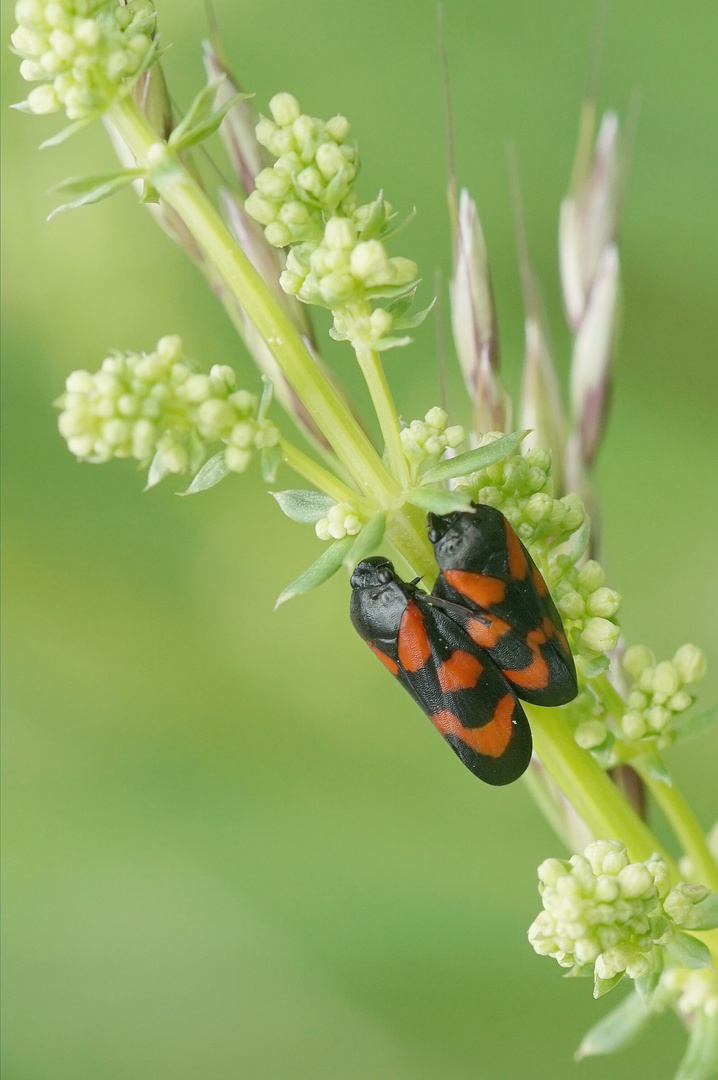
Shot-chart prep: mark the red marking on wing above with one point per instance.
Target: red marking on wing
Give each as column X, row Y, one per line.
column 460, row 672
column 490, row 740
column 539, row 583
column 483, row 590
column 535, row 676
column 386, row 660
column 518, row 567
column 414, row 647
column 487, row 634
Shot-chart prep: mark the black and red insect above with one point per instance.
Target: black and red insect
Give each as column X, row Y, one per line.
column 449, row 676
column 503, row 602
column 488, row 634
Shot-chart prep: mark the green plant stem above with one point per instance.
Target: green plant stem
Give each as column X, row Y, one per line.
column 320, row 477
column 373, row 371
column 678, row 813
column 406, row 530
column 186, row 198
column 684, row 824
column 596, row 799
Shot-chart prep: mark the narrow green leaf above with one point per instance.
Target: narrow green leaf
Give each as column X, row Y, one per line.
column 320, row 571
column 474, row 460
column 200, row 108
column 615, row 1030
column 203, row 130
column 700, row 724
column 391, row 292
column 157, row 471
column 397, row 307
column 439, row 500
column 305, row 506
column 210, row 474
column 604, row 986
column 68, row 132
column 410, row 322
column 400, row 225
column 367, row 541
column 375, row 220
column 689, row 951
column 93, row 189
column 386, row 343
column 271, row 458
column 701, row 1057
column 705, row 913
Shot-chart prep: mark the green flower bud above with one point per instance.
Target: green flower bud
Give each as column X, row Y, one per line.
column 636, row 659
column 633, row 725
column 680, row 902
column 657, row 716
column 690, row 663
column 603, row 602
column 666, row 679
column 285, row 109
column 600, row 635
column 538, row 507
column 680, row 702
column 341, row 521
column 339, row 233
column 338, row 127
column 591, row 576
column 572, row 605
column 236, row 459
column 590, row 734
column 436, row 418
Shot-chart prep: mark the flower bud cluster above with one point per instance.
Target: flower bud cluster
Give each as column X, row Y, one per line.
column 427, row 439
column 307, row 201
column 602, row 910
column 143, row 405
column 689, row 991
column 520, row 487
column 80, row 50
column 342, row 520
column 342, row 269
column 313, row 175
column 588, row 608
column 658, row 693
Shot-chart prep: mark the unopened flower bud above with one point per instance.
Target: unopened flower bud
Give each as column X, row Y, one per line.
column 590, row 734
column 690, row 662
column 603, row 602
column 284, row 109
column 636, row 659
column 600, row 635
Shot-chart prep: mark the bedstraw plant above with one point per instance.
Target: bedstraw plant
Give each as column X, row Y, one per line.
column 294, row 232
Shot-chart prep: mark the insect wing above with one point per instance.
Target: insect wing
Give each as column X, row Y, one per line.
column 463, row 693
column 510, row 612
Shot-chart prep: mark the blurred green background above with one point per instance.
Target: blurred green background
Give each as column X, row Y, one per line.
column 233, row 847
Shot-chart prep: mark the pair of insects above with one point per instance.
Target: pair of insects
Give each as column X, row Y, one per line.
column 488, row 635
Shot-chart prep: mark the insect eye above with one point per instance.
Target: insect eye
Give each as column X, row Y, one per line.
column 384, row 576
column 433, row 536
